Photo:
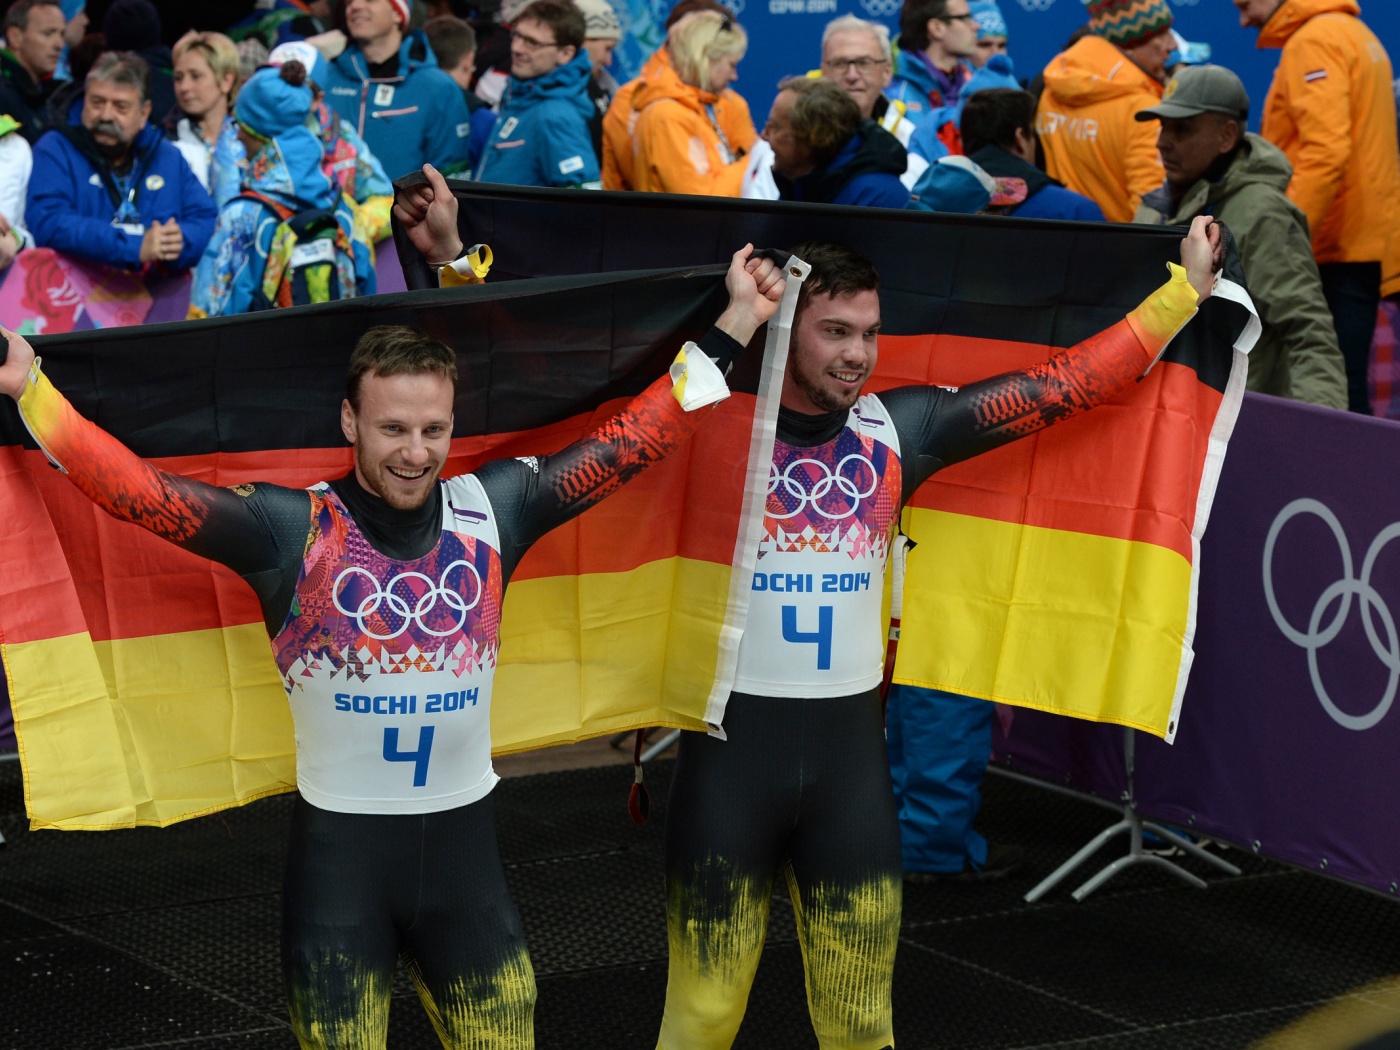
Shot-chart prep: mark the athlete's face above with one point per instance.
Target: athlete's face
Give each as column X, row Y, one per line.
column 401, row 435
column 834, row 349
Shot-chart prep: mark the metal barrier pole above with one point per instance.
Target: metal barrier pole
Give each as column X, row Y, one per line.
column 1133, row 825
column 7, row 756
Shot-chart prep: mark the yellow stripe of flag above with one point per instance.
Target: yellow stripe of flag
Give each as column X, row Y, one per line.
column 1060, row 621
column 148, row 721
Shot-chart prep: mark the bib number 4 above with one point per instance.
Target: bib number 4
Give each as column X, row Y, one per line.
column 419, row 758
column 821, row 637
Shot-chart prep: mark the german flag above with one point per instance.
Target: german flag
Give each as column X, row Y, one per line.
column 142, row 679
column 1058, row 572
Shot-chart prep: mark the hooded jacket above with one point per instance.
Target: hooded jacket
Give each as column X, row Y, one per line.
column 865, row 172
column 924, row 90
column 541, row 136
column 1045, row 198
column 1085, row 120
column 74, row 200
column 416, row 117
column 676, row 145
column 1297, row 354
column 731, row 111
column 1331, row 109
column 288, row 169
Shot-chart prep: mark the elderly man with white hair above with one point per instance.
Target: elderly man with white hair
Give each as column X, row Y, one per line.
column 856, row 55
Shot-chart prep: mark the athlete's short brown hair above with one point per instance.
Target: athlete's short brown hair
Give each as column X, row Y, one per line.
column 837, row 270
column 397, row 349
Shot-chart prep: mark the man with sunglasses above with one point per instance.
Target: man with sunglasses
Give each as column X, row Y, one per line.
column 542, row 136
column 936, row 40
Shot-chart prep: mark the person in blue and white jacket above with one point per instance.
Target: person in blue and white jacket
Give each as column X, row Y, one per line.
column 389, row 88
column 114, row 190
column 542, row 136
column 285, row 167
column 937, row 38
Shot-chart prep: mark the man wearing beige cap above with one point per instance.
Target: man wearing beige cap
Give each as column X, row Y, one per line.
column 601, row 32
column 1214, row 167
column 1091, row 92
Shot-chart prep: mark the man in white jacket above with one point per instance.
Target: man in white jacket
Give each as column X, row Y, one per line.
column 16, row 161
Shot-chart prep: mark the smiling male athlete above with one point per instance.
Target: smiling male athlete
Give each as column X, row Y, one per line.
column 799, row 782
column 393, row 844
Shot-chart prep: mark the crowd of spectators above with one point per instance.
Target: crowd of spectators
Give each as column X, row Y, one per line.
column 118, row 150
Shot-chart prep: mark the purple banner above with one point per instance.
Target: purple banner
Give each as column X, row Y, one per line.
column 1288, row 737
column 7, row 720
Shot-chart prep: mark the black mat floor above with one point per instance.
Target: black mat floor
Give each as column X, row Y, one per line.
column 168, row 938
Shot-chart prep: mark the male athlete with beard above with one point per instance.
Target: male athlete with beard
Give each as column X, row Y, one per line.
column 799, row 782
column 393, row 844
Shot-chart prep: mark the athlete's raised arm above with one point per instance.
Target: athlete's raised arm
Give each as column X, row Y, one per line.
column 213, row 522
column 535, row 495
column 939, row 426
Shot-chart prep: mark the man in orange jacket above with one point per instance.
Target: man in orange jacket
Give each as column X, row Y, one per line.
column 1331, row 109
column 1092, row 92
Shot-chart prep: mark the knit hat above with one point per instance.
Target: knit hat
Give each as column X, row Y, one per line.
column 131, row 25
column 274, row 100
column 1129, row 23
column 402, row 8
column 990, row 21
column 599, row 19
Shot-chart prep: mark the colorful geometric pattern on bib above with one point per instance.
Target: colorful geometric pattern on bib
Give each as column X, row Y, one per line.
column 358, row 613
column 840, row 497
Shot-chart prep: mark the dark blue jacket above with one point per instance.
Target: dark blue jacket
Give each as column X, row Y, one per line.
column 541, row 137
column 74, row 199
column 1045, row 198
column 416, row 117
column 866, row 172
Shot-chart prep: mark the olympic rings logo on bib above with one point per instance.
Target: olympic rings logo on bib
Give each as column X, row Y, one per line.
column 847, row 481
column 391, row 605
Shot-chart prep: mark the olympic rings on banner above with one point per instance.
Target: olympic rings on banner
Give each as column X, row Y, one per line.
column 1341, row 592
column 398, row 605
column 839, row 480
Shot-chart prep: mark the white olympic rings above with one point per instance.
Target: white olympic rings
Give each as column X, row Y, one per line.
column 880, row 8
column 399, row 606
column 1342, row 591
column 1036, row 5
column 830, row 479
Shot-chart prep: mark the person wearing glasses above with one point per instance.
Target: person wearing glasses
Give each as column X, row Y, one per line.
column 857, row 58
column 936, row 40
column 542, row 135
column 387, row 84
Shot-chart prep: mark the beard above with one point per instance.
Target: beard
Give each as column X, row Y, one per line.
column 376, row 480
column 824, row 398
column 110, row 150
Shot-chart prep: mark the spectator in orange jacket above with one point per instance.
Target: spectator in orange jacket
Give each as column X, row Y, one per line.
column 621, row 118
column 1331, row 109
column 680, row 143
column 1093, row 90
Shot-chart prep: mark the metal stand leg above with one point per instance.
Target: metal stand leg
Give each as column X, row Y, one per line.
column 661, row 745
column 7, row 756
column 1133, row 825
